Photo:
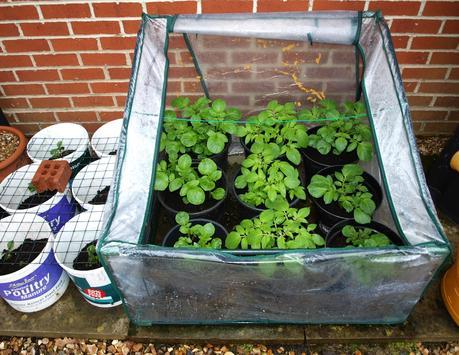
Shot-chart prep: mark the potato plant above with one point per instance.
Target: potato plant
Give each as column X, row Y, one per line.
column 197, row 235
column 364, row 237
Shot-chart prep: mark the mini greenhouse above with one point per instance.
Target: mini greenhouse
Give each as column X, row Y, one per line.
column 248, row 60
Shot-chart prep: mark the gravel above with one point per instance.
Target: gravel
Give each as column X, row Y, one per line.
column 8, row 144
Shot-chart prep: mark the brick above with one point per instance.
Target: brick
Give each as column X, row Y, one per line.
column 226, row 6
column 344, row 86
column 281, row 5
column 189, row 87
column 103, row 59
column 49, row 102
column 131, row 26
column 227, row 73
column 177, row 41
column 68, row 88
column 74, row 44
column 92, row 101
column 395, row 9
column 254, row 57
column 451, row 26
column 110, row 115
column 8, row 30
column 185, row 58
column 14, row 61
column 441, row 87
column 110, row 87
column 45, row 29
column 428, row 115
column 66, row 11
column 23, row 89
column 25, row 12
column 175, row 86
column 119, row 73
column 341, row 57
column 13, row 102
column 252, row 87
column 424, row 73
column 400, row 41
column 38, row 75
column 118, row 42
column 454, row 75
column 213, row 42
column 35, row 116
column 26, row 45
column 182, row 72
column 447, row 101
column 113, row 9
column 28, row 129
column 453, row 116
column 97, row 27
column 172, row 8
column 6, row 76
column 58, row 60
column 82, row 74
column 213, row 57
column 409, row 86
column 91, row 127
column 217, row 86
column 77, row 116
column 441, row 8
column 445, row 58
column 412, row 57
column 338, row 5
column 419, row 100
column 121, row 101
column 434, row 43
column 440, row 127
column 417, row 26
column 52, row 175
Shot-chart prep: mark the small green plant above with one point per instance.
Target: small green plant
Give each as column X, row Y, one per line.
column 282, row 228
column 192, row 183
column 8, row 252
column 345, row 134
column 31, row 188
column 267, row 179
column 365, row 237
column 196, row 236
column 204, row 134
column 93, row 258
column 277, row 125
column 56, row 152
column 345, row 187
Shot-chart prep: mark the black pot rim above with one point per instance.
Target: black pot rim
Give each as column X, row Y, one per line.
column 376, row 226
column 193, row 221
column 368, row 180
column 200, row 213
column 258, row 209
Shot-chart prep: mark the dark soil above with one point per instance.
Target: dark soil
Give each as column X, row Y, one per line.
column 21, row 256
column 36, row 199
column 113, row 152
column 63, row 154
column 81, row 262
column 101, row 196
column 331, row 159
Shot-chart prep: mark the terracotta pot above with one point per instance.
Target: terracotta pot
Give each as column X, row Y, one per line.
column 17, row 159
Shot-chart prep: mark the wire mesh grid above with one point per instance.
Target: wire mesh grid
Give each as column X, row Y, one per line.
column 40, row 227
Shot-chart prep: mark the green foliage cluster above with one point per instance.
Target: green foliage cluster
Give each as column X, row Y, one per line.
column 345, row 187
column 266, row 178
column 205, row 134
column 282, row 228
column 197, row 235
column 7, row 254
column 93, row 258
column 364, row 237
column 192, row 183
column 56, row 152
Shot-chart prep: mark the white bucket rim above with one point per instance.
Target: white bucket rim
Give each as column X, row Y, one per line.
column 106, row 131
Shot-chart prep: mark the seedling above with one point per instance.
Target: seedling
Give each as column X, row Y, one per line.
column 345, row 187
column 281, row 228
column 32, row 188
column 56, row 152
column 365, row 237
column 192, row 185
column 8, row 252
column 267, row 179
column 345, row 134
column 93, row 258
column 196, row 236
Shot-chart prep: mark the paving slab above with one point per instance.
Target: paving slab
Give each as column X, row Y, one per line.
column 71, row 316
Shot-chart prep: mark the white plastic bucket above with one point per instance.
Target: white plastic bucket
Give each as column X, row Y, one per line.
column 92, row 178
column 40, row 283
column 73, row 137
column 94, row 285
column 14, row 189
column 105, row 139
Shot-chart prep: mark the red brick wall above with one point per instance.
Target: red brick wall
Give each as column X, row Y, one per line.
column 70, row 60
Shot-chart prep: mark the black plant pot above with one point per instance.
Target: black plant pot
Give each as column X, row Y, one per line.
column 174, row 234
column 245, row 146
column 448, row 200
column 173, row 204
column 335, row 238
column 314, row 161
column 249, row 211
column 333, row 213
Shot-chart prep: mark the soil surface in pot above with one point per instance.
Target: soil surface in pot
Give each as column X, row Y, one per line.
column 9, row 142
column 331, row 159
column 113, row 152
column 21, row 256
column 101, row 196
column 81, row 262
column 36, row 199
column 63, row 154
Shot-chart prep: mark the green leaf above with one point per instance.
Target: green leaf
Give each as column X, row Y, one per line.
column 291, row 182
column 219, row 105
column 361, row 217
column 266, row 216
column 207, row 166
column 206, row 183
column 340, row 144
column 323, row 147
column 294, row 156
column 216, row 143
column 182, row 218
column 318, row 240
column 184, row 162
column 209, row 229
column 351, row 170
column 319, row 186
column 218, row 194
column 161, row 182
column 175, row 184
column 189, row 139
column 232, row 240
column 367, row 205
column 365, row 151
column 196, row 196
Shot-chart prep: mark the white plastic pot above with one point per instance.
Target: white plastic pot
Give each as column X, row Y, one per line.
column 73, row 137
column 40, row 283
column 94, row 285
column 14, row 189
column 105, row 139
column 92, row 178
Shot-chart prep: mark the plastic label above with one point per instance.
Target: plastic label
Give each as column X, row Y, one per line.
column 59, row 214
